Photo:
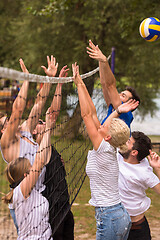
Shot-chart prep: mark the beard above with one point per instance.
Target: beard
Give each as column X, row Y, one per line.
column 126, row 154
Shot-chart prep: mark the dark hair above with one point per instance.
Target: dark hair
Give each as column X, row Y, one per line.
column 142, row 144
column 134, row 93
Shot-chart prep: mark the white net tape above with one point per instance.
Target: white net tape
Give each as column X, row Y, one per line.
column 20, row 76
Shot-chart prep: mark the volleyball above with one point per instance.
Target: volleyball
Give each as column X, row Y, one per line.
column 150, row 29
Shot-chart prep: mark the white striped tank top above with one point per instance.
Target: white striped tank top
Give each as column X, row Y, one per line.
column 102, row 170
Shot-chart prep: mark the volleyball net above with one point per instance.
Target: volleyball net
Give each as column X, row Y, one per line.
column 65, row 172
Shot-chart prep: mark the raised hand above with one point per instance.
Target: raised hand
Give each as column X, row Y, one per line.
column 154, row 159
column 95, row 53
column 64, row 71
column 128, row 106
column 23, row 67
column 52, row 67
column 76, row 76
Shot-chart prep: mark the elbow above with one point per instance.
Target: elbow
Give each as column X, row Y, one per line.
column 86, row 115
column 18, row 107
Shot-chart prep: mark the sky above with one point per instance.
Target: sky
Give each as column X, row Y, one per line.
column 150, row 126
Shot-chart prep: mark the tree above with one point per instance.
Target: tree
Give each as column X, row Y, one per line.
column 63, row 28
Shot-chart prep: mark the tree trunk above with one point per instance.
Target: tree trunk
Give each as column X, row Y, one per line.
column 71, row 129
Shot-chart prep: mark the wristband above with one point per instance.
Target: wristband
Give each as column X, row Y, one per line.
column 117, row 110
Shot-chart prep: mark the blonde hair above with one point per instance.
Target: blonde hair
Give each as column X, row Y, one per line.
column 15, row 173
column 120, row 134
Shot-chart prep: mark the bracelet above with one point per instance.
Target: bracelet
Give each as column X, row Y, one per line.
column 22, row 97
column 57, row 95
column 117, row 110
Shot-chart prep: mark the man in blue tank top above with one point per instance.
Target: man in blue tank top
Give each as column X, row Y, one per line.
column 112, row 97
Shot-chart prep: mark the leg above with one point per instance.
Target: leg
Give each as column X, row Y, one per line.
column 68, row 233
column 66, row 229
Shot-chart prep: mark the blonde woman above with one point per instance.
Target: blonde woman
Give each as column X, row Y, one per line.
column 31, row 208
column 113, row 221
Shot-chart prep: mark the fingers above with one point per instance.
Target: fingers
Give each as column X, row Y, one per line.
column 44, row 68
column 75, row 69
column 21, row 64
column 56, row 65
column 52, row 60
column 64, row 67
column 90, row 50
column 133, row 103
column 64, row 71
column 20, row 60
column 153, row 155
column 48, row 61
column 23, row 67
column 91, row 44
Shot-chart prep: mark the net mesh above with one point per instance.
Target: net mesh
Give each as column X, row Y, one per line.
column 65, row 172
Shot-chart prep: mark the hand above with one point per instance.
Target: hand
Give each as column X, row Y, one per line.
column 23, row 67
column 50, row 119
column 128, row 106
column 63, row 73
column 95, row 53
column 52, row 67
column 154, row 159
column 76, row 76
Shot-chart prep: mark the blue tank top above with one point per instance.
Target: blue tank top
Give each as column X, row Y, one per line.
column 126, row 117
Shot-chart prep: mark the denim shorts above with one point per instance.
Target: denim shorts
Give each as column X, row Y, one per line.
column 12, row 212
column 113, row 223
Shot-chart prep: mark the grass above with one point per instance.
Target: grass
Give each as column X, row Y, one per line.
column 84, row 213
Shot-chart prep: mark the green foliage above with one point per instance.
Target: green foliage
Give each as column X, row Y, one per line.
column 34, row 29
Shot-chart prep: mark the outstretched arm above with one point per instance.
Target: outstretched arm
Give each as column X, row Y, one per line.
column 16, row 115
column 78, row 81
column 42, row 158
column 123, row 108
column 88, row 111
column 42, row 95
column 57, row 99
column 154, row 160
column 107, row 78
column 56, row 102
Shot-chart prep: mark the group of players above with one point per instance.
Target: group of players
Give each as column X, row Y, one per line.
column 117, row 167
